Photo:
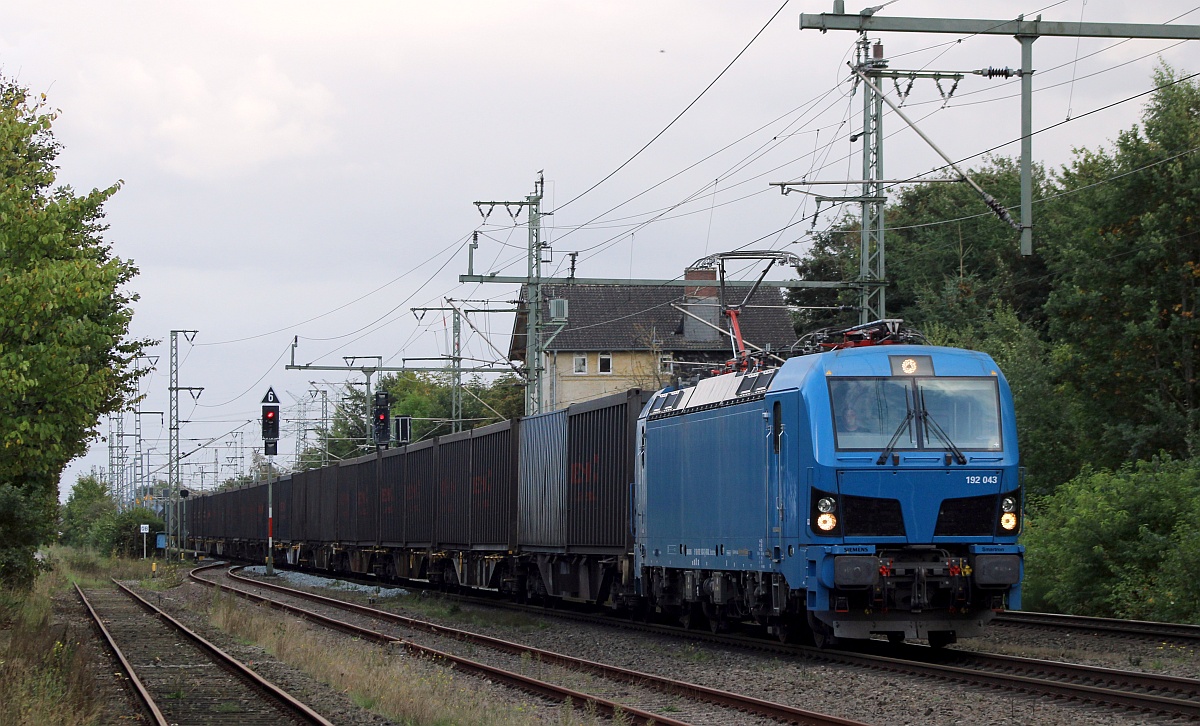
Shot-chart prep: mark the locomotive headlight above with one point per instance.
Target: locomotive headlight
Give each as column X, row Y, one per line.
column 825, row 505
column 1008, row 521
column 826, row 522
column 1008, row 504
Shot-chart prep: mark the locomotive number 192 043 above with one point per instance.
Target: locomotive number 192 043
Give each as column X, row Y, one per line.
column 983, row 479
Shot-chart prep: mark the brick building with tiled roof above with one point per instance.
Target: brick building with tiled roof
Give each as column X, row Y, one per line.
column 624, row 336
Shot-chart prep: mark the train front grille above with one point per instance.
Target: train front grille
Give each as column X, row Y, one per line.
column 966, row 517
column 872, row 517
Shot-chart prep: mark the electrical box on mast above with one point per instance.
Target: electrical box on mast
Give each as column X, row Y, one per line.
column 402, row 429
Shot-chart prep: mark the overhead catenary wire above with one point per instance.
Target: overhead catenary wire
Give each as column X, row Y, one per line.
column 679, row 115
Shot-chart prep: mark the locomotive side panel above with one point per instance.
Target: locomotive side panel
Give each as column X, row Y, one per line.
column 708, row 503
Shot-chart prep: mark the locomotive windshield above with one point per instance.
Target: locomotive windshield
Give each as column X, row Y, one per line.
column 916, row 413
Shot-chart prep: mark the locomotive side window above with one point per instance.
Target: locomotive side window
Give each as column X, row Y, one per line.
column 777, row 424
column 916, row 413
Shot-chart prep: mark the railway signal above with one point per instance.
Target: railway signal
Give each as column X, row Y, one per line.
column 382, row 419
column 270, row 422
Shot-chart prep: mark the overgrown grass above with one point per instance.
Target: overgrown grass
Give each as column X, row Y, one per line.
column 402, row 688
column 92, row 569
column 44, row 676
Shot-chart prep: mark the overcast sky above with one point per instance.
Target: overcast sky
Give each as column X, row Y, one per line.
column 308, row 169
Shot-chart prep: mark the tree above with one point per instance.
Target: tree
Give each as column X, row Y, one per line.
column 65, row 358
column 89, row 503
column 1126, row 304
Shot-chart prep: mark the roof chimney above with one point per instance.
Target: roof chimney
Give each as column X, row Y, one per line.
column 700, row 273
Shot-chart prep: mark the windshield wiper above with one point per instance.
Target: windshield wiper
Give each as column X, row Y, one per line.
column 887, row 451
column 932, row 425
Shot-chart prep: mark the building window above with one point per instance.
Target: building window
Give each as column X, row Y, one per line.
column 581, row 362
column 664, row 364
column 605, row 363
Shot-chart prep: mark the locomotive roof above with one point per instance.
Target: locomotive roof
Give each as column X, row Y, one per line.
column 864, row 361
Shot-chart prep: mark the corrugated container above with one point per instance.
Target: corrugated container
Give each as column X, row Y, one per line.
column 299, row 530
column 391, row 499
column 281, row 493
column 258, row 508
column 541, row 482
column 312, row 505
column 367, row 502
column 222, row 527
column 236, row 514
column 453, row 502
column 192, row 518
column 494, row 486
column 420, row 493
column 347, row 494
column 327, row 496
column 600, row 451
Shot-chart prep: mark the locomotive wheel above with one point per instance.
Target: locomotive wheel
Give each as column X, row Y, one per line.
column 690, row 617
column 895, row 638
column 783, row 631
column 821, row 634
column 823, row 638
column 941, row 638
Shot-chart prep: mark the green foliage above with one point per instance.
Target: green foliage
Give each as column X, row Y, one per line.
column 427, row 397
column 1118, row 544
column 64, row 356
column 1127, row 294
column 89, row 502
column 119, row 533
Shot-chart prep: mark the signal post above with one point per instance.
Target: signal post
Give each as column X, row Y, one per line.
column 270, row 436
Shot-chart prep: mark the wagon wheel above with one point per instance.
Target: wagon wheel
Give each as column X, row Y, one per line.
column 690, row 617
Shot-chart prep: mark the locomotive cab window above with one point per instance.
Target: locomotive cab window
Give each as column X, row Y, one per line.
column 916, row 413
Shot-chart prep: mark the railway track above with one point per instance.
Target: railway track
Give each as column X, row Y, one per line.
column 1167, row 696
column 1102, row 626
column 632, row 686
column 180, row 677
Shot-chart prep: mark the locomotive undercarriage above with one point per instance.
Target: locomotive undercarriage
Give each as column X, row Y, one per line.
column 721, row 598
column 916, row 593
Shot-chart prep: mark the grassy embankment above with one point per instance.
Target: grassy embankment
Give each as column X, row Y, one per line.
column 46, row 666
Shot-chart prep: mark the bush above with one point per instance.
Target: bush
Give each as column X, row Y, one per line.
column 1118, row 544
column 119, row 532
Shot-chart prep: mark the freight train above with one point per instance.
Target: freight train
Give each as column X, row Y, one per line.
column 866, row 489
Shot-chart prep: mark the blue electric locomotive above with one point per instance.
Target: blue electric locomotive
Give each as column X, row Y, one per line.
column 860, row 491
